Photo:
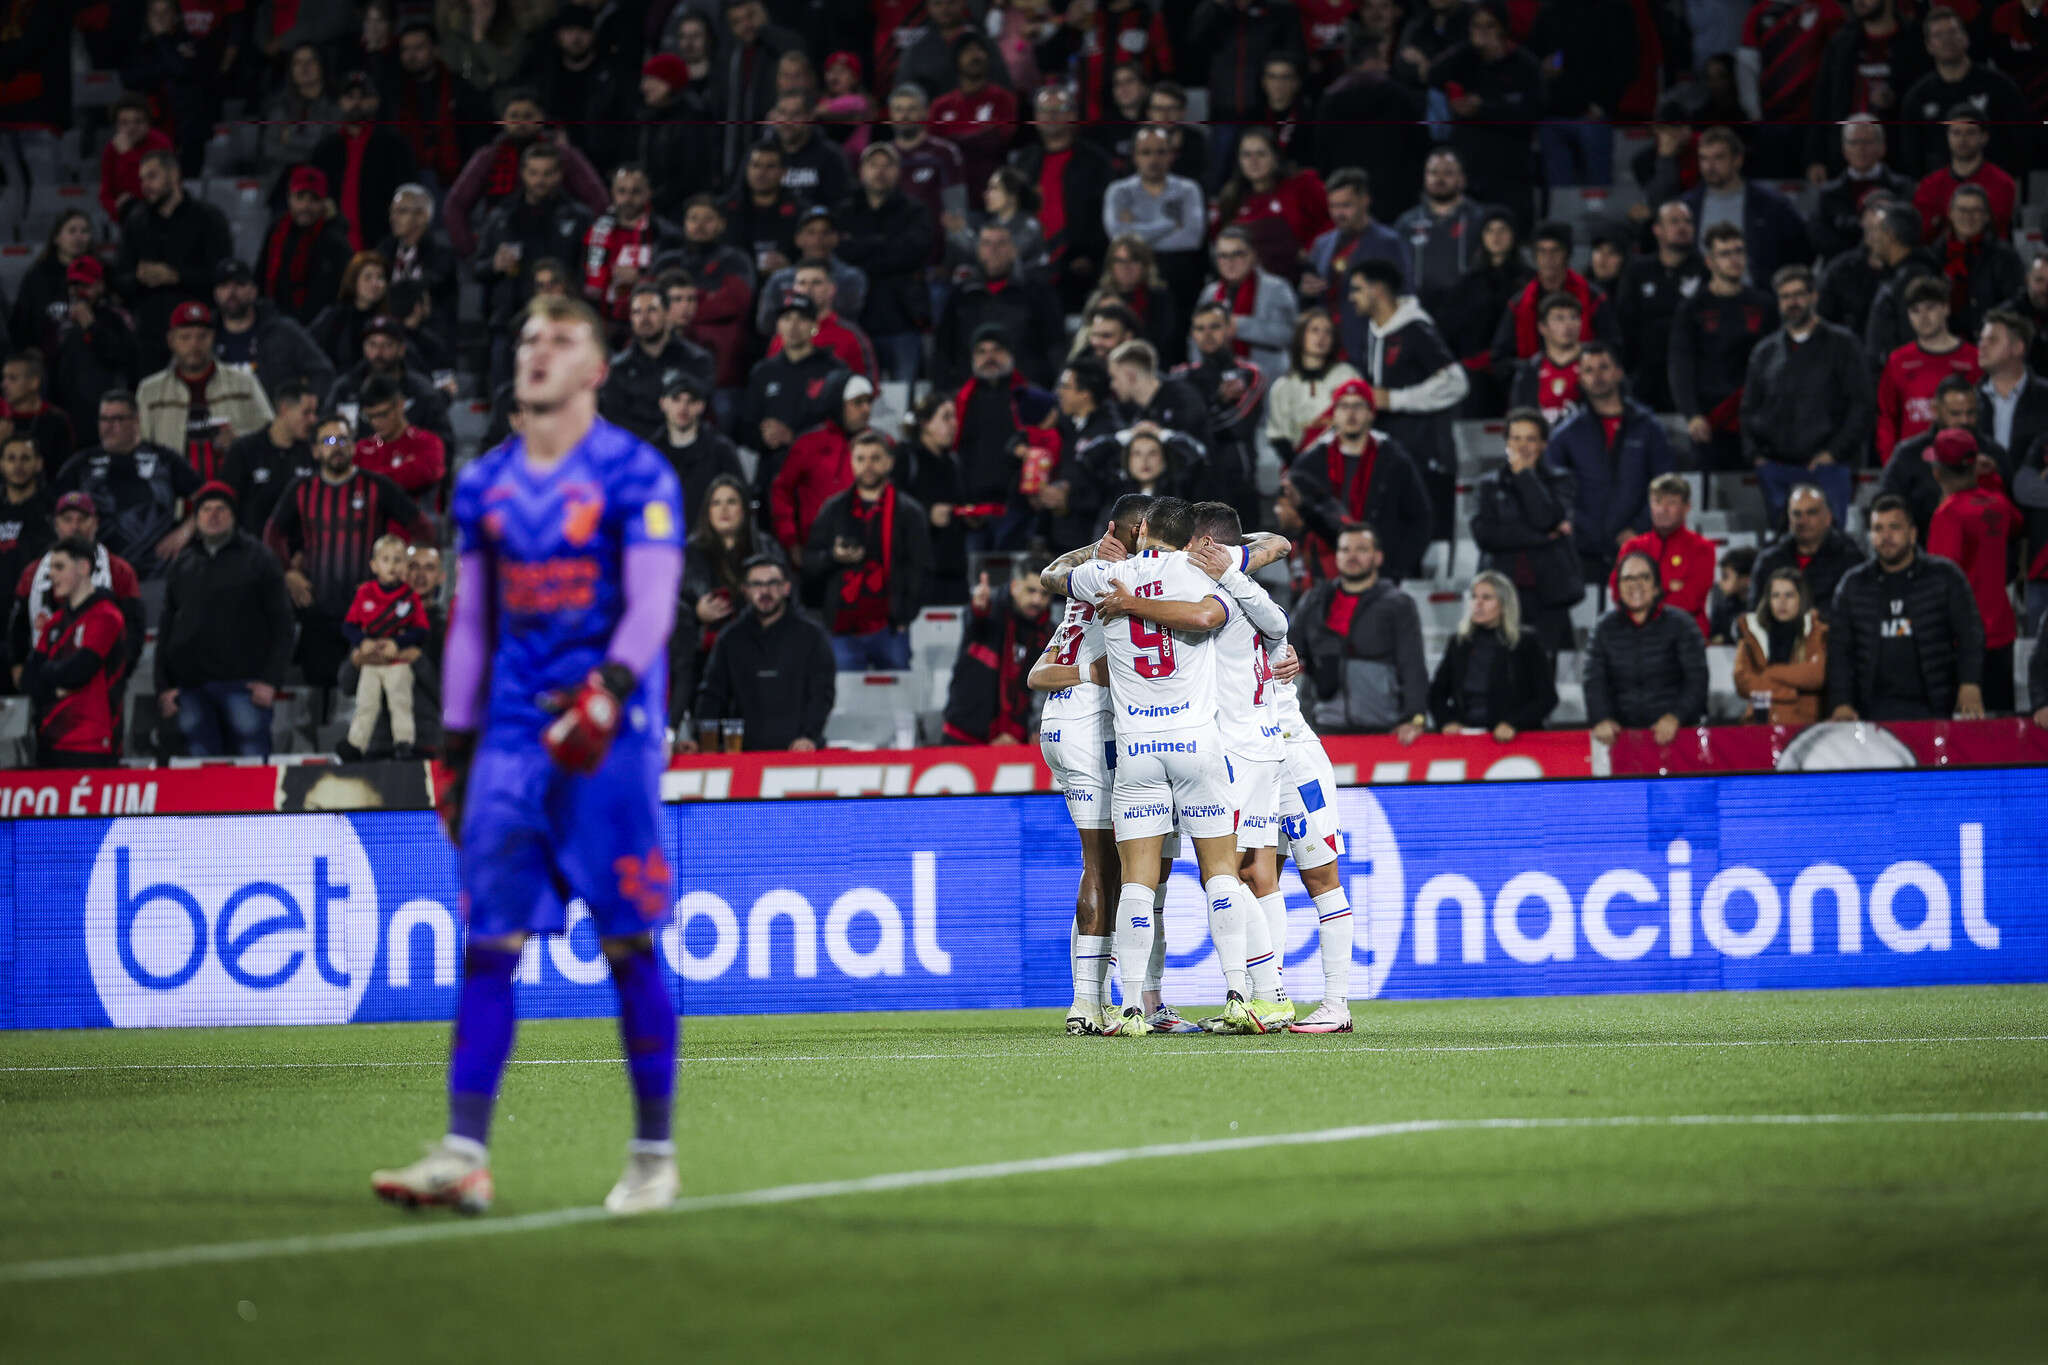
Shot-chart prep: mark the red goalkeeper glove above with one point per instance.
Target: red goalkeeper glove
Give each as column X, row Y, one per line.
column 451, row 780
column 586, row 720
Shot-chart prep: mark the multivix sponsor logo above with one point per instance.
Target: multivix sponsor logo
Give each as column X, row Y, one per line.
column 211, row 922
column 1492, row 910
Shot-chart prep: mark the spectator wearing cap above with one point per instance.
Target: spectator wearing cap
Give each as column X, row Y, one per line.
column 225, row 634
column 196, row 406
column 1352, row 476
column 838, row 337
column 1910, row 476
column 694, row 448
column 362, row 162
column 170, row 245
column 620, row 249
column 866, row 559
column 1981, row 268
column 1518, row 334
column 96, row 345
column 385, row 356
column 495, row 174
column 1612, row 448
column 1807, row 401
column 786, row 392
column 889, row 236
column 818, row 465
column 631, row 396
column 263, row 464
column 255, row 335
column 1712, row 337
column 1837, row 222
column 816, row 243
column 1684, row 558
column 998, row 292
column 673, row 135
column 413, row 459
column 75, row 517
column 1262, row 305
column 1772, row 229
column 1958, row 80
column 25, row 408
column 1973, row 528
column 1905, row 641
column 306, row 253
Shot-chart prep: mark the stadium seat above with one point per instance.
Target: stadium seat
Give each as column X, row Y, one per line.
column 860, row 732
column 1571, row 707
column 874, row 694
column 470, row 421
column 47, row 202
column 95, row 89
column 1591, row 204
column 2022, row 657
column 15, row 260
column 1739, row 495
column 1479, row 446
column 1722, row 702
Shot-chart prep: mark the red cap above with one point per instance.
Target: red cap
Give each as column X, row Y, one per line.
column 213, row 488
column 667, row 68
column 85, row 270
column 844, row 59
column 191, row 314
column 311, row 179
column 1352, row 388
column 76, row 502
column 1955, row 448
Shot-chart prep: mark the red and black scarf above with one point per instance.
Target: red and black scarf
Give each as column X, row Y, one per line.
column 1959, row 261
column 288, row 263
column 864, row 588
column 431, row 132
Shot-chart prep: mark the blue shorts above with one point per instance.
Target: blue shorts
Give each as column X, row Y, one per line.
column 535, row 838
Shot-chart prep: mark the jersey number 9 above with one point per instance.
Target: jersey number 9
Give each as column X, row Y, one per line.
column 1160, row 644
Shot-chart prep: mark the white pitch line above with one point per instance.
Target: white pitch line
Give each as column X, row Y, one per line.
column 215, row 1253
column 1057, row 1054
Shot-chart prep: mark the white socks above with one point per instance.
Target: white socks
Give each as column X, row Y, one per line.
column 1274, row 909
column 1231, row 909
column 1334, row 928
column 1091, row 961
column 1262, row 962
column 1155, row 968
column 1136, row 928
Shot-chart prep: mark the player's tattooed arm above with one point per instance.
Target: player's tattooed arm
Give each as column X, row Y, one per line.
column 1266, row 547
column 1049, row 676
column 1053, row 577
column 1191, row 617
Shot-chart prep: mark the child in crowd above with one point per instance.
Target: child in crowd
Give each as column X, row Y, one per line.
column 387, row 624
column 1730, row 597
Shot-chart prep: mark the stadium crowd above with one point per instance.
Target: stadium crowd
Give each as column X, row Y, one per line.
column 910, row 291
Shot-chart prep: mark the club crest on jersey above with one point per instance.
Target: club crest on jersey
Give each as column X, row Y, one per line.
column 580, row 518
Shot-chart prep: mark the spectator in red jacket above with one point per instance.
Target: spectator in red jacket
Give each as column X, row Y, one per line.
column 76, row 515
column 1283, row 207
column 69, row 676
column 1967, row 140
column 721, row 321
column 121, row 159
column 977, row 116
column 1973, row 528
column 413, row 459
column 1685, row 558
column 387, row 626
column 818, row 466
column 1905, row 394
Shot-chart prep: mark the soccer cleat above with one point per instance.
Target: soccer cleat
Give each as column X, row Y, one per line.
column 1083, row 1021
column 1166, row 1019
column 649, row 1183
column 453, row 1174
column 1130, row 1024
column 1327, row 1017
column 1272, row 1016
column 1234, row 1019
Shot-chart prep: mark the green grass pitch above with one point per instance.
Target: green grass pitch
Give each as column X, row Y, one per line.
column 1863, row 1237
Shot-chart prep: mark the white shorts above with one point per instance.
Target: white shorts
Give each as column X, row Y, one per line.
column 1079, row 754
column 1308, row 807
column 1164, row 779
column 1255, row 789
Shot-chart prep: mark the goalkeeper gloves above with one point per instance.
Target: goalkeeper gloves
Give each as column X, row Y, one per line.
column 587, row 719
column 451, row 779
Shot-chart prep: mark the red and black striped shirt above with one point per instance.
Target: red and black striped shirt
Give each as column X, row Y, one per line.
column 1789, row 37
column 2019, row 48
column 334, row 525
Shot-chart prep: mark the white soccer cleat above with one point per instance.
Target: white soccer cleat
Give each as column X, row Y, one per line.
column 454, row 1174
column 1167, row 1019
column 649, row 1183
column 1083, row 1021
column 1328, row 1017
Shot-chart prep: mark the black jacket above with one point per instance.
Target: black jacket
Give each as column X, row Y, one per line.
column 793, row 393
column 1834, row 88
column 910, row 554
column 1385, row 626
column 1711, row 339
column 426, row 407
column 697, row 464
column 1512, row 527
column 1520, row 689
column 779, row 679
column 226, row 616
column 1396, row 503
column 280, row 350
column 1837, row 222
column 891, row 242
column 434, row 265
column 933, row 478
column 1646, row 299
column 1771, row 228
column 1995, row 275
column 386, row 164
column 193, row 241
column 1834, row 557
column 1908, row 475
column 1086, row 182
column 327, row 252
column 553, row 230
column 1935, row 599
column 2029, row 451
column 1887, row 327
column 1800, row 400
column 987, row 696
column 1026, row 308
column 1848, row 287
column 259, row 473
column 1636, row 675
column 631, row 396
column 1237, row 43
column 678, row 144
column 91, row 360
column 1926, row 103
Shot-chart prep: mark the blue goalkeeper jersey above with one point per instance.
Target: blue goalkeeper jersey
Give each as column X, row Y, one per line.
column 555, row 543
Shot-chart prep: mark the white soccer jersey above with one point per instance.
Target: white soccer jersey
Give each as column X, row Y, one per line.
column 1286, row 704
column 1243, row 679
column 1078, row 641
column 1161, row 681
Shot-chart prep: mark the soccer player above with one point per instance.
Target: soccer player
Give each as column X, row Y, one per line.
column 1162, row 681
column 554, row 697
column 1308, row 817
